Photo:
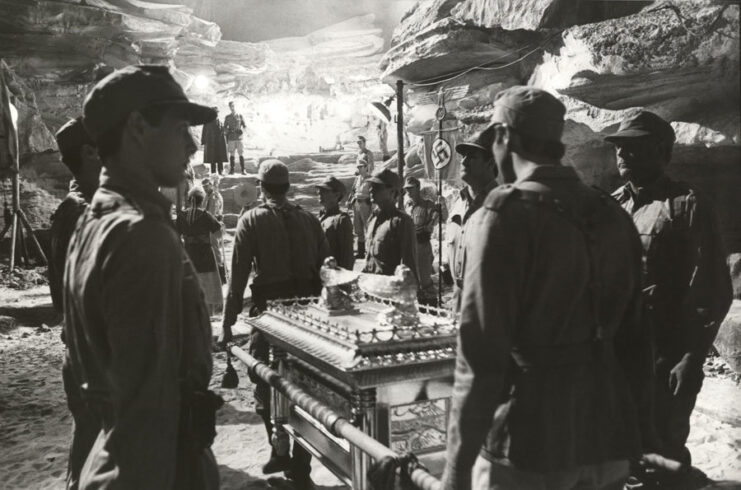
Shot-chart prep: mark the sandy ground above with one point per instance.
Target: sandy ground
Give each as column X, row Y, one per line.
column 36, row 424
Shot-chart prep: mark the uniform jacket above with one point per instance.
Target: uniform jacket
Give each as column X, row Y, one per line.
column 424, row 216
column 338, row 231
column 390, row 241
column 139, row 338
column 360, row 188
column 684, row 265
column 534, row 385
column 279, row 241
column 368, row 158
column 214, row 144
column 233, row 126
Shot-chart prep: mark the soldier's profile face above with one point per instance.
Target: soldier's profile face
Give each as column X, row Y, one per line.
column 638, row 160
column 474, row 165
column 169, row 147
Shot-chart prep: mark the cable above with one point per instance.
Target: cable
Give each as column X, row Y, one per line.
column 483, row 67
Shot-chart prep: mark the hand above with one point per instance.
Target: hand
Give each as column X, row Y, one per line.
column 686, row 376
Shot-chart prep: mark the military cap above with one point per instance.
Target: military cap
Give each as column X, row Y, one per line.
column 644, row 124
column 530, row 111
column 70, row 139
column 332, row 184
column 386, row 177
column 480, row 141
column 361, row 138
column 273, row 171
column 412, row 182
column 134, row 88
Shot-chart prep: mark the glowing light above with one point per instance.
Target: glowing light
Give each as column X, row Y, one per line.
column 200, row 82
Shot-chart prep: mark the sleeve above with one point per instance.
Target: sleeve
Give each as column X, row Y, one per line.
column 408, row 244
column 323, row 249
column 489, row 313
column 710, row 290
column 219, row 205
column 242, row 256
column 212, row 223
column 141, row 284
column 345, row 242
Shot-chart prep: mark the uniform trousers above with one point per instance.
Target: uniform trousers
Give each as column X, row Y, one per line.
column 360, row 216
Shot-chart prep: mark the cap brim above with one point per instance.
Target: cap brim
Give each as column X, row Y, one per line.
column 627, row 134
column 465, row 148
column 323, row 186
column 376, row 180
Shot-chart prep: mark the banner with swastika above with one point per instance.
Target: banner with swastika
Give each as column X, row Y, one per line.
column 440, row 154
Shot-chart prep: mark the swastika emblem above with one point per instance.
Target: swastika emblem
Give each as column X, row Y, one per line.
column 440, row 153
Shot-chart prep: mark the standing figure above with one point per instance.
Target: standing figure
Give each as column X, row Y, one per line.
column 214, row 204
column 335, row 223
column 553, row 368
column 234, row 127
column 361, row 205
column 80, row 155
column 425, row 216
column 479, row 172
column 214, row 144
column 285, row 246
column 390, row 233
column 686, row 281
column 383, row 136
column 365, row 153
column 197, row 227
column 137, row 328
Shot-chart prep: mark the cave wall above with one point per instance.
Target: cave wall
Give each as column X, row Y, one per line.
column 605, row 61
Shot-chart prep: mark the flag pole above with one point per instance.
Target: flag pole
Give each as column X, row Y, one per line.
column 400, row 136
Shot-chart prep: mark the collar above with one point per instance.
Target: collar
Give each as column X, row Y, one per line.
column 540, row 173
column 656, row 190
column 466, row 195
column 326, row 214
column 138, row 189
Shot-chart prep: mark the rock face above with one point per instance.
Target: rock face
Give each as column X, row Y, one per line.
column 605, row 61
column 728, row 341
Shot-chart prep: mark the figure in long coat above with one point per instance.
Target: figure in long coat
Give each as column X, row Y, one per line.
column 214, row 145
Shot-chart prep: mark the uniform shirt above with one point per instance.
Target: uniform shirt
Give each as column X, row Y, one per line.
column 464, row 206
column 684, row 265
column 63, row 223
column 532, row 293
column 280, row 242
column 214, row 204
column 390, row 241
column 361, row 188
column 337, row 228
column 424, row 215
column 137, row 330
column 233, row 125
column 368, row 158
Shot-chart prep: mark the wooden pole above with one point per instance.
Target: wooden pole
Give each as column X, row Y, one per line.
column 35, row 242
column 16, row 197
column 400, row 137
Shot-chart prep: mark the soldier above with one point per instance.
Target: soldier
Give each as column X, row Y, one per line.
column 365, row 154
column 214, row 204
column 391, row 239
column 685, row 277
column 137, row 328
column 214, row 145
column 335, row 223
column 424, row 216
column 554, row 366
column 234, row 128
column 479, row 172
column 81, row 157
column 286, row 246
column 361, row 205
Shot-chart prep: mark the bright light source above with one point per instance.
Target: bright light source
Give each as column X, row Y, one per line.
column 200, row 82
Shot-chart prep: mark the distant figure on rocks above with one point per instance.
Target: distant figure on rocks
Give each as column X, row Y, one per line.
column 361, row 205
column 214, row 204
column 390, row 237
column 80, row 155
column 363, row 151
column 197, row 226
column 425, row 216
column 335, row 223
column 234, row 127
column 136, row 324
column 214, row 145
column 686, row 282
column 285, row 246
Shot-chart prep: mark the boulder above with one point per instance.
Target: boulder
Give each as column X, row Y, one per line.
column 728, row 341
column 734, row 264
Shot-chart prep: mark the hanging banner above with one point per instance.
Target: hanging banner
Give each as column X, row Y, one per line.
column 440, row 154
column 8, row 126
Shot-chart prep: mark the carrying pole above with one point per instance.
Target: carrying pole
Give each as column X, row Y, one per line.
column 400, row 137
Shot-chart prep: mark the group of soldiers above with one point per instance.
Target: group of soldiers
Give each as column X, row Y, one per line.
column 585, row 318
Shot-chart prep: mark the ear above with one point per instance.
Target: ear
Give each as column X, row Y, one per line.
column 136, row 126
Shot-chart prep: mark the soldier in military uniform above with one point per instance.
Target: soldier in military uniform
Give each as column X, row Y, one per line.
column 479, row 172
column 365, row 154
column 390, row 233
column 234, row 128
column 361, row 205
column 335, row 223
column 137, row 328
column 685, row 278
column 553, row 367
column 81, row 157
column 425, row 216
column 285, row 245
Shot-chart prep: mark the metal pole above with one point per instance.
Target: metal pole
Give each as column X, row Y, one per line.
column 400, row 137
column 439, row 239
column 330, row 419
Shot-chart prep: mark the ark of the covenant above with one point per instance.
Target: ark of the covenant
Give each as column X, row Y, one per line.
column 370, row 353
